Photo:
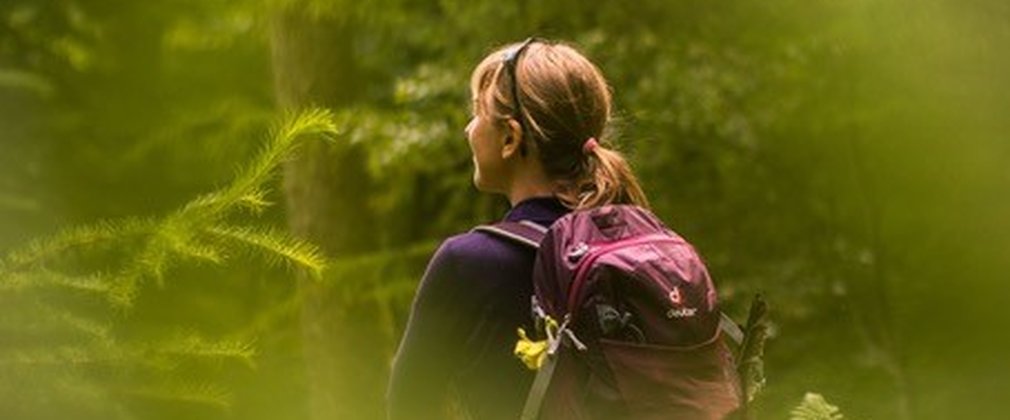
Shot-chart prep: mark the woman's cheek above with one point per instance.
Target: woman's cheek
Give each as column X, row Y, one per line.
column 486, row 173
column 480, row 173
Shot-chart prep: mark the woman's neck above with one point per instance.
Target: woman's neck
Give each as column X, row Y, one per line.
column 519, row 193
column 528, row 180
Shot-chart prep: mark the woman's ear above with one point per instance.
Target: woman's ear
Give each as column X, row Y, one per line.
column 513, row 139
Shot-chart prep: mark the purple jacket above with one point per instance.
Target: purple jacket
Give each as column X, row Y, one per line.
column 462, row 327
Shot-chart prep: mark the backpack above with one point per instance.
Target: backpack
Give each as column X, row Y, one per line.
column 632, row 324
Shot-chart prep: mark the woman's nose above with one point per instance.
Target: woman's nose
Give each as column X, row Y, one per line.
column 469, row 127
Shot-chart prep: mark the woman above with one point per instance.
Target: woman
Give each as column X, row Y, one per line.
column 538, row 109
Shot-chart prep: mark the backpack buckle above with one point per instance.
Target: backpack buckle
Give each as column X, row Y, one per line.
column 580, row 250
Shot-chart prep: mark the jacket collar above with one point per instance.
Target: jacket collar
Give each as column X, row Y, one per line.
column 541, row 210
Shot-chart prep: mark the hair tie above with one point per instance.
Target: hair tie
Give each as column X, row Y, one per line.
column 590, row 145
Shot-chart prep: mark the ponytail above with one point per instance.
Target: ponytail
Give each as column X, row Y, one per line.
column 607, row 180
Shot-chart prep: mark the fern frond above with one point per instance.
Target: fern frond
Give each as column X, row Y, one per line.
column 815, row 407
column 274, row 246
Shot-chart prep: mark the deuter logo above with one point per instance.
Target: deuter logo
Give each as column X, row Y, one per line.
column 681, row 312
column 675, row 296
column 678, row 311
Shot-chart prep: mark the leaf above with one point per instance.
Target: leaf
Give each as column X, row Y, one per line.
column 815, row 407
column 750, row 361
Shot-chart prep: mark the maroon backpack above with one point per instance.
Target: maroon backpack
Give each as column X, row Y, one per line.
column 637, row 325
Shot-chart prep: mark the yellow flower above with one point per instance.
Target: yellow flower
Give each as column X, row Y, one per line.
column 532, row 353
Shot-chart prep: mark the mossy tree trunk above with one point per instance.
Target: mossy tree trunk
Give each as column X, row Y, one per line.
column 326, row 188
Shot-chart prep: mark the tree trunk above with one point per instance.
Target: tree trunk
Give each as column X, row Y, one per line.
column 326, row 189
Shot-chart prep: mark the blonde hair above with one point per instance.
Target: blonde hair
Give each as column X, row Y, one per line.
column 565, row 101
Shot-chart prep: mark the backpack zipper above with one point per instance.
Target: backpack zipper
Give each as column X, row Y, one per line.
column 593, row 252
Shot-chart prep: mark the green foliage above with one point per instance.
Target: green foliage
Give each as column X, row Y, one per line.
column 815, row 407
column 750, row 361
column 826, row 153
column 67, row 292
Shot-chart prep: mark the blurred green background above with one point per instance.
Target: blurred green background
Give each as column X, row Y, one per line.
column 846, row 158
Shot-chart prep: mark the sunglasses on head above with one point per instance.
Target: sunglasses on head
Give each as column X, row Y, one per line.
column 511, row 62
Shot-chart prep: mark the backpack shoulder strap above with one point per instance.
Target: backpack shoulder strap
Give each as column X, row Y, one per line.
column 731, row 328
column 524, row 232
column 529, row 234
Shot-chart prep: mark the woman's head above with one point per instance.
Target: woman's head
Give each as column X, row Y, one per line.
column 543, row 107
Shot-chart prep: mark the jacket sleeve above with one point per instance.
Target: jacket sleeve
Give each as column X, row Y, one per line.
column 432, row 344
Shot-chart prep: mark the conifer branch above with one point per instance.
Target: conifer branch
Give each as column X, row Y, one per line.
column 40, row 250
column 282, row 144
column 255, row 201
column 150, row 248
column 276, row 247
column 68, row 355
column 192, row 393
column 32, row 318
column 163, row 355
column 19, row 281
column 176, row 234
column 194, row 346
